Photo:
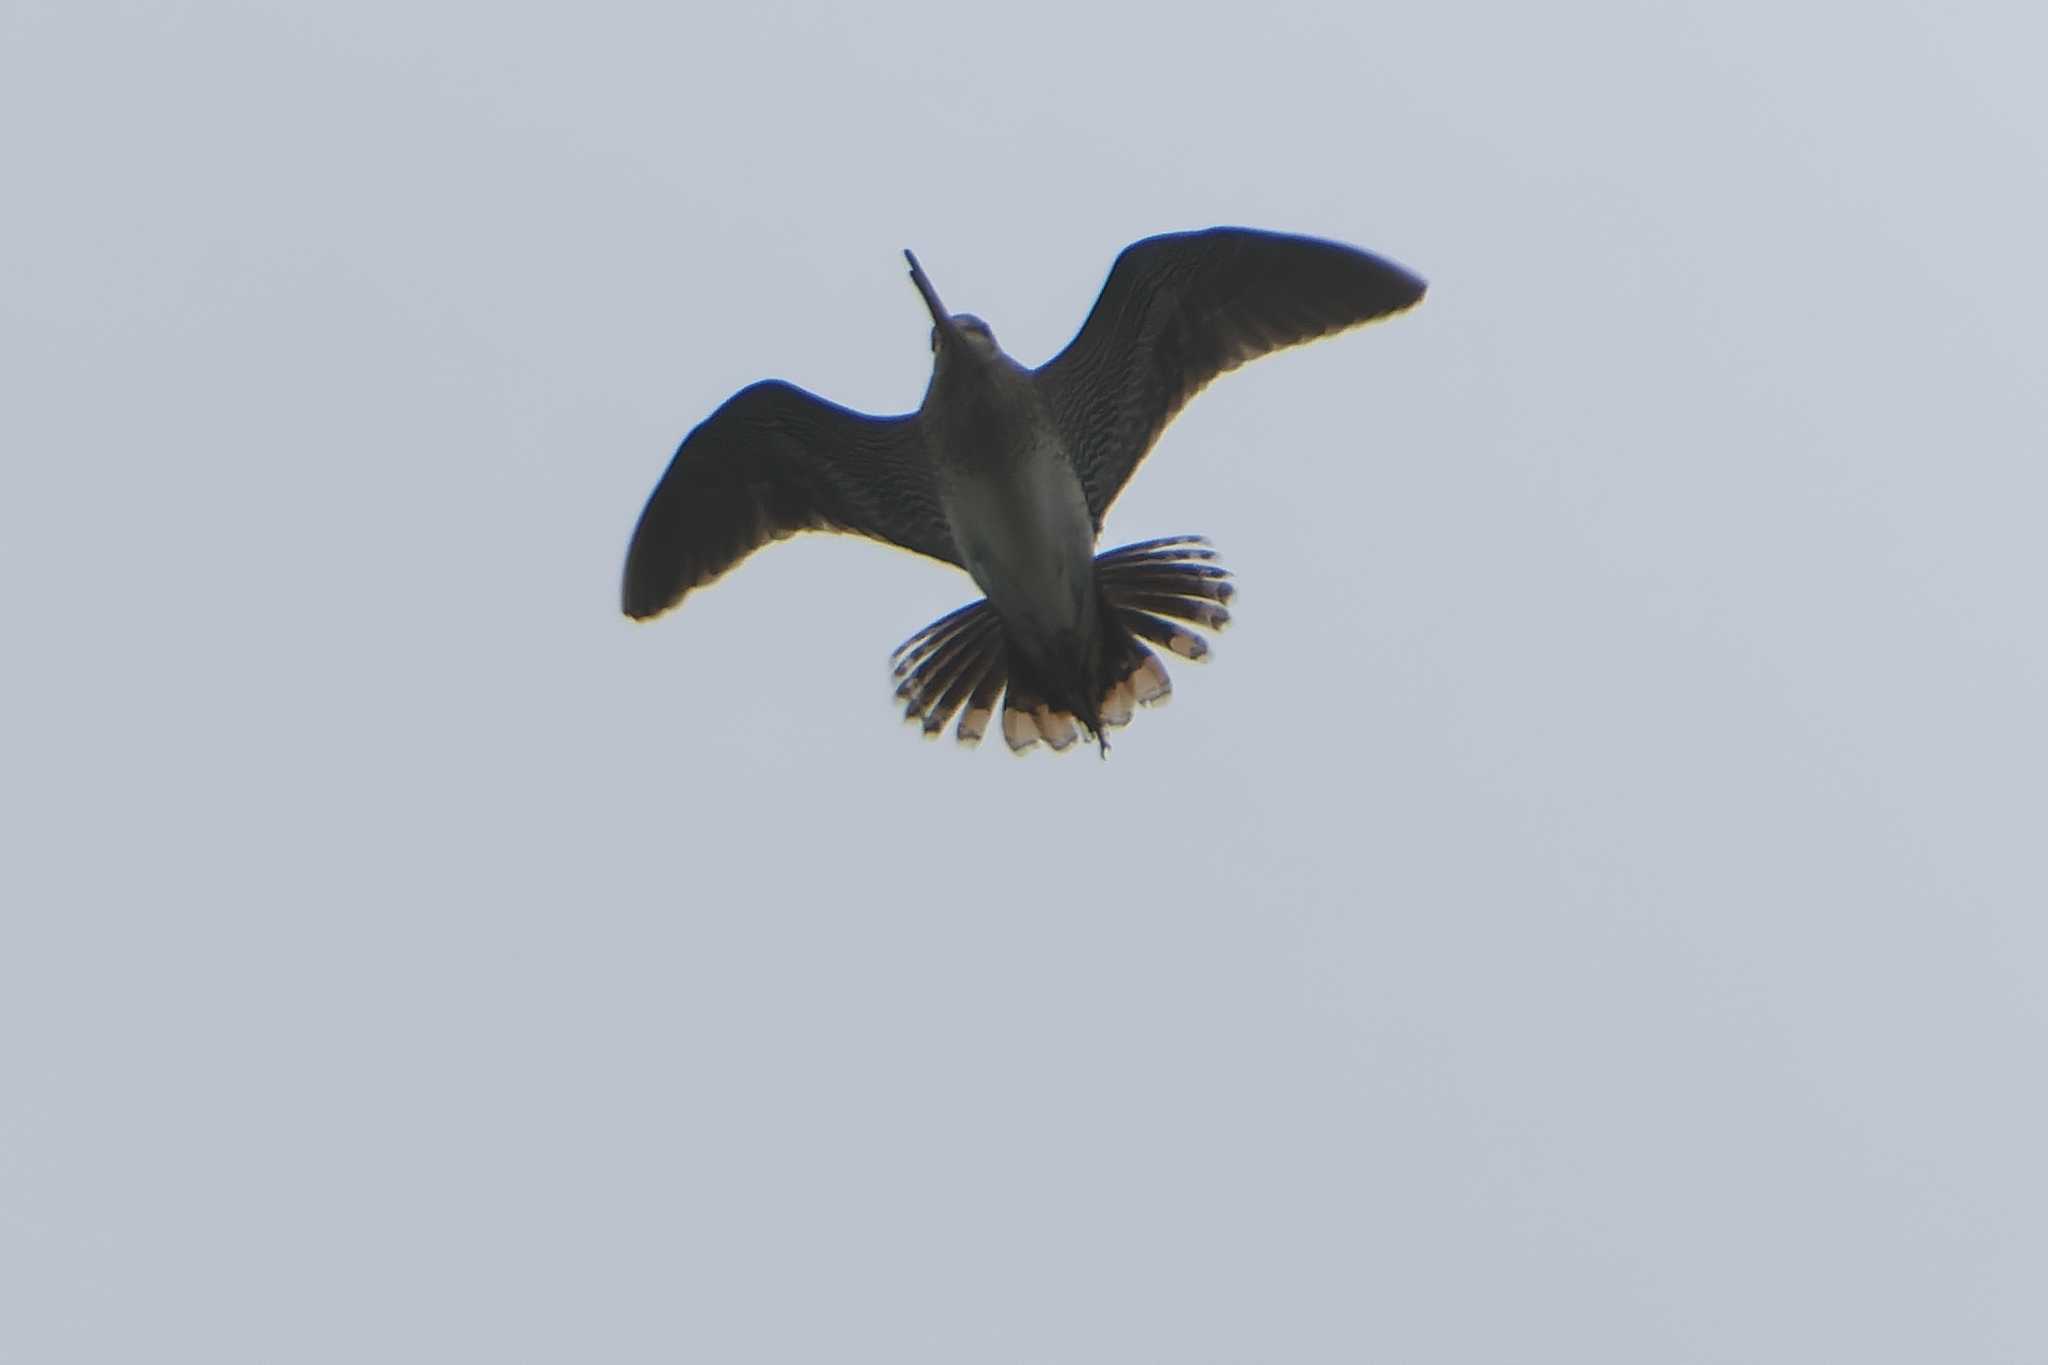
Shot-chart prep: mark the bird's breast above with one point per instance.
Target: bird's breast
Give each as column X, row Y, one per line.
column 1020, row 519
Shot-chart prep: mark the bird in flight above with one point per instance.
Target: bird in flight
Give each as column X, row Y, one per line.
column 1007, row 472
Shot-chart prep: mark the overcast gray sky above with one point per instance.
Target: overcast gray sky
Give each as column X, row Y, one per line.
column 1590, row 908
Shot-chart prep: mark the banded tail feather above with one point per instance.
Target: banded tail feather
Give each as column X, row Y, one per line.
column 1152, row 591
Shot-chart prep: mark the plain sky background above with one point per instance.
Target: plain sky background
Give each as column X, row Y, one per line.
column 1591, row 907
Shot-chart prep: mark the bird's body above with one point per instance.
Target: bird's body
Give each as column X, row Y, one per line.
column 1021, row 522
column 1008, row 472
column 1009, row 490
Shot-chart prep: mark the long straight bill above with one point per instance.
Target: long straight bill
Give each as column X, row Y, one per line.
column 940, row 316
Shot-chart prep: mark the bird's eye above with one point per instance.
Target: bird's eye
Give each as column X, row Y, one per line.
column 935, row 337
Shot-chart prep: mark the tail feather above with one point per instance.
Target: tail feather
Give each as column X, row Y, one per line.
column 1150, row 686
column 1193, row 610
column 932, row 639
column 1020, row 731
column 937, row 685
column 981, row 706
column 1136, row 549
column 1056, row 728
column 1187, row 580
column 930, row 672
column 1179, row 639
column 1022, row 707
column 1151, row 591
column 957, row 692
column 933, row 636
column 1117, row 704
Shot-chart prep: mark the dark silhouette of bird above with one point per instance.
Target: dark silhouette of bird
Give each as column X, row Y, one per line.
column 1007, row 472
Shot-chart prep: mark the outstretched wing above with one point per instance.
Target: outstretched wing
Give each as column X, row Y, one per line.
column 1179, row 310
column 772, row 461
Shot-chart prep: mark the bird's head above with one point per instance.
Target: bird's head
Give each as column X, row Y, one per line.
column 969, row 330
column 950, row 330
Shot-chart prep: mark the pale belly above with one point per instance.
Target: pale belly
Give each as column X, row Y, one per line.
column 1024, row 531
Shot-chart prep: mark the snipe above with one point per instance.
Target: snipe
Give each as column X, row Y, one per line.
column 1007, row 472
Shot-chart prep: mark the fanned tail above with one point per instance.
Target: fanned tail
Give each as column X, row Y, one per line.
column 1151, row 585
column 1151, row 591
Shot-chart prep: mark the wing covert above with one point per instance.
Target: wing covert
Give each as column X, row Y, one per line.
column 772, row 461
column 1178, row 310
